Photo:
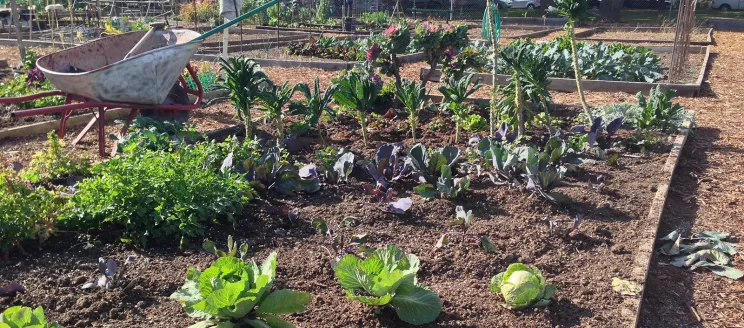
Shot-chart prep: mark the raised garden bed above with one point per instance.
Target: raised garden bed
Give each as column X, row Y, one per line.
column 277, row 58
column 312, row 30
column 699, row 36
column 698, row 64
column 582, row 263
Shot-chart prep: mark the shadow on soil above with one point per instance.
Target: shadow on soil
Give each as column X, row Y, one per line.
column 668, row 298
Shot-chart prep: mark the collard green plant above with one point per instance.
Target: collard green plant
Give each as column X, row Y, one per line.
column 427, row 164
column 522, row 286
column 26, row 213
column 413, row 96
column 388, row 278
column 231, row 293
column 25, row 317
column 658, row 112
column 447, row 186
column 705, row 249
column 245, row 81
column 455, row 92
column 272, row 103
column 314, row 104
column 156, row 196
column 357, row 93
column 270, row 172
column 54, row 163
column 150, row 134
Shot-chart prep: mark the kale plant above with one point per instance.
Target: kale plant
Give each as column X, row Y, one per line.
column 413, row 96
column 357, row 93
column 455, row 92
column 245, row 81
column 314, row 104
column 388, row 278
column 272, row 103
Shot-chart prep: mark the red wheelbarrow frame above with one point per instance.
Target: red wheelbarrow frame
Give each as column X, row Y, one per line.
column 85, row 103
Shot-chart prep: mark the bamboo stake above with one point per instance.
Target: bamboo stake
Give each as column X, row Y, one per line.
column 17, row 18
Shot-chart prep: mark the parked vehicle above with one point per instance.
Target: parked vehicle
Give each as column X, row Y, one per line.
column 523, row 4
column 726, row 5
column 645, row 4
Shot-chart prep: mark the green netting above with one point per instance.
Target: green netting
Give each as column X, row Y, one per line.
column 485, row 26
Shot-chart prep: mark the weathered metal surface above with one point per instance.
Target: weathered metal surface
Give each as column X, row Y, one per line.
column 98, row 70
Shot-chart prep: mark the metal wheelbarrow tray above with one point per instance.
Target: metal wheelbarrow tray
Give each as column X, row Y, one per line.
column 97, row 75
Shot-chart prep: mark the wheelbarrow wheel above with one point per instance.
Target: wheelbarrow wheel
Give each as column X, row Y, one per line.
column 176, row 96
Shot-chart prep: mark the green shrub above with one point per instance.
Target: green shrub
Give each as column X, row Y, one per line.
column 54, row 163
column 25, row 213
column 158, row 196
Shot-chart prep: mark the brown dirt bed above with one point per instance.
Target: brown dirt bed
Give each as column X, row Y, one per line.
column 697, row 35
column 582, row 264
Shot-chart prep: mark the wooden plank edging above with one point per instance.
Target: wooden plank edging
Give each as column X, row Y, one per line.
column 45, row 127
column 584, row 36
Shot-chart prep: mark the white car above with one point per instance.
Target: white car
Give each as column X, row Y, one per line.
column 725, row 5
column 522, row 4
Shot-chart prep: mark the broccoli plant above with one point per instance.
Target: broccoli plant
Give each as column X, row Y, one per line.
column 272, row 103
column 522, row 286
column 24, row 317
column 314, row 104
column 413, row 96
column 388, row 278
column 245, row 81
column 455, row 92
column 659, row 112
column 231, row 293
column 447, row 186
column 427, row 165
column 358, row 93
column 575, row 11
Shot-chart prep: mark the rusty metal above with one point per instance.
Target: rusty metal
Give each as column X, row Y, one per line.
column 98, row 70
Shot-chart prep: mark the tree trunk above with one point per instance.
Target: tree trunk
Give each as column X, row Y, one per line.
column 610, row 10
column 577, row 71
column 15, row 15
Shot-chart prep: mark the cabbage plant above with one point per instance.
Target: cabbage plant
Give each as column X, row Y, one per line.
column 522, row 286
column 232, row 293
column 388, row 278
column 21, row 317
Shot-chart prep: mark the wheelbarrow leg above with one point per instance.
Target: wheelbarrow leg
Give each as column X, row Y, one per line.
column 101, row 132
column 86, row 129
column 65, row 116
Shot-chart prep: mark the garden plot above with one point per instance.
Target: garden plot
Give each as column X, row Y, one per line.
column 516, row 31
column 340, row 170
column 699, row 36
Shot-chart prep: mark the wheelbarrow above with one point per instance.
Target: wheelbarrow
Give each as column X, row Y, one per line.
column 136, row 70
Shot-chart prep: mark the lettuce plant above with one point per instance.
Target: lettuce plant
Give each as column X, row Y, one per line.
column 388, row 278
column 24, row 317
column 522, row 286
column 358, row 93
column 231, row 293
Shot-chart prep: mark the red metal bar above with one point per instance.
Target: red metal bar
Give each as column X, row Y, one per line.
column 101, row 132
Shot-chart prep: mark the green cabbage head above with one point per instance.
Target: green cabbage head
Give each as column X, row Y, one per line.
column 522, row 286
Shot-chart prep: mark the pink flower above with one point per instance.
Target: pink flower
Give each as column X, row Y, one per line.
column 392, row 30
column 430, row 27
column 373, row 52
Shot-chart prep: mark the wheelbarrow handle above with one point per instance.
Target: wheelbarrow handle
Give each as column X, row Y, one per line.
column 235, row 21
column 153, row 27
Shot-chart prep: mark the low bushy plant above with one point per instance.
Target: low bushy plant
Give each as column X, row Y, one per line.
column 156, row 196
column 54, row 163
column 25, row 317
